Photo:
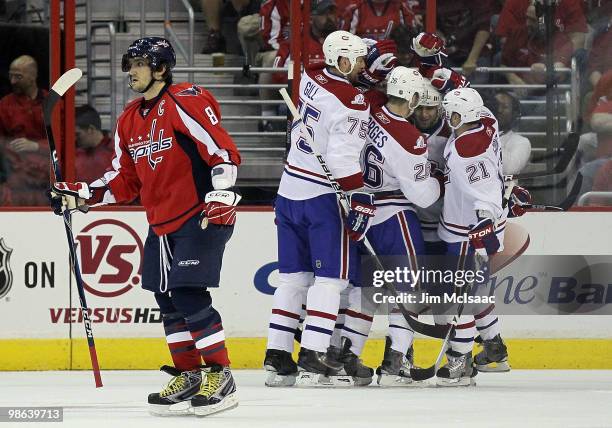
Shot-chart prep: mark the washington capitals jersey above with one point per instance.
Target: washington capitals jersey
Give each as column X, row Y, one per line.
column 165, row 156
column 429, row 217
column 395, row 164
column 473, row 180
column 335, row 114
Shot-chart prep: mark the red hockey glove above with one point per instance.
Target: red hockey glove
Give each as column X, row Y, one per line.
column 518, row 198
column 219, row 208
column 483, row 238
column 427, row 44
column 380, row 60
column 443, row 79
column 69, row 196
column 360, row 215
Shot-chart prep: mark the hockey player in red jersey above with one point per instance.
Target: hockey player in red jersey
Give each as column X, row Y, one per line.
column 171, row 151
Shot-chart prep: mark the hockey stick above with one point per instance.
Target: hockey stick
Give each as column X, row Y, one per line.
column 63, row 84
column 568, row 150
column 417, row 326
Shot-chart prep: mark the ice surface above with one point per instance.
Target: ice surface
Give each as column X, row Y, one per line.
column 521, row 398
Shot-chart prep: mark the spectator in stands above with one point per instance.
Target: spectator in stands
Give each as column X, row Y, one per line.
column 375, row 19
column 465, row 27
column 214, row 12
column 601, row 124
column 569, row 20
column 600, row 57
column 323, row 21
column 274, row 17
column 22, row 137
column 95, row 149
column 402, row 36
column 526, row 47
column 516, row 149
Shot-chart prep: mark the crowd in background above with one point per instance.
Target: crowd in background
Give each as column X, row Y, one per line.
column 483, row 33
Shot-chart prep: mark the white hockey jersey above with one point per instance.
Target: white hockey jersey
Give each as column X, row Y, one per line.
column 395, row 164
column 336, row 116
column 429, row 217
column 473, row 180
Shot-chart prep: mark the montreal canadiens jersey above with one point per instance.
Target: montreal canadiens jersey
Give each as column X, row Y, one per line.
column 474, row 180
column 336, row 116
column 395, row 164
column 429, row 217
column 165, row 157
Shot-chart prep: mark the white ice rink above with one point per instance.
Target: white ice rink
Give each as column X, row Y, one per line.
column 534, row 398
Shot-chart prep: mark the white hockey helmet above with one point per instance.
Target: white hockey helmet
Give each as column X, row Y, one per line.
column 343, row 44
column 431, row 97
column 404, row 82
column 466, row 102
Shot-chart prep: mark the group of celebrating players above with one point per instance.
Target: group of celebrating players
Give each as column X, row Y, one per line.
column 419, row 156
column 420, row 162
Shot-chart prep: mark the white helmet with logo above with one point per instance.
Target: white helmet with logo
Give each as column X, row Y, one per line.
column 431, row 97
column 343, row 44
column 404, row 82
column 466, row 102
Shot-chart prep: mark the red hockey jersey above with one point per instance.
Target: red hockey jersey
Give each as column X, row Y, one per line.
column 166, row 156
column 377, row 20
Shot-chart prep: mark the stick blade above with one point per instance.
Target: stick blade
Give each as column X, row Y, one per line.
column 66, row 81
column 420, row 374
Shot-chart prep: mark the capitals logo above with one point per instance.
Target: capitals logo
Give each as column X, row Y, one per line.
column 6, row 275
column 152, row 148
column 190, row 92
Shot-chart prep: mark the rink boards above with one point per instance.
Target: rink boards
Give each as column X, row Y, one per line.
column 41, row 327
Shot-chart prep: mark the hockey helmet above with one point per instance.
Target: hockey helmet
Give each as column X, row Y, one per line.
column 343, row 44
column 155, row 49
column 431, row 96
column 466, row 102
column 404, row 82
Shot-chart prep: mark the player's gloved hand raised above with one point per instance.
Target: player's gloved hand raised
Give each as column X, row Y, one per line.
column 69, row 196
column 219, row 208
column 518, row 199
column 483, row 238
column 359, row 218
column 427, row 44
column 444, row 79
column 380, row 60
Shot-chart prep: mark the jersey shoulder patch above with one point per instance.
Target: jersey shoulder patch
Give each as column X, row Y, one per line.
column 346, row 93
column 475, row 143
column 186, row 90
column 402, row 131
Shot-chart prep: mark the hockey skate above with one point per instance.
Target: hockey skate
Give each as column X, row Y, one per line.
column 395, row 367
column 217, row 392
column 458, row 371
column 180, row 389
column 280, row 367
column 493, row 357
column 316, row 368
column 353, row 367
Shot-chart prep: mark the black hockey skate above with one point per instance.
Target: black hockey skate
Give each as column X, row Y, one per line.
column 493, row 357
column 181, row 388
column 353, row 366
column 395, row 367
column 280, row 367
column 458, row 371
column 315, row 367
column 217, row 391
